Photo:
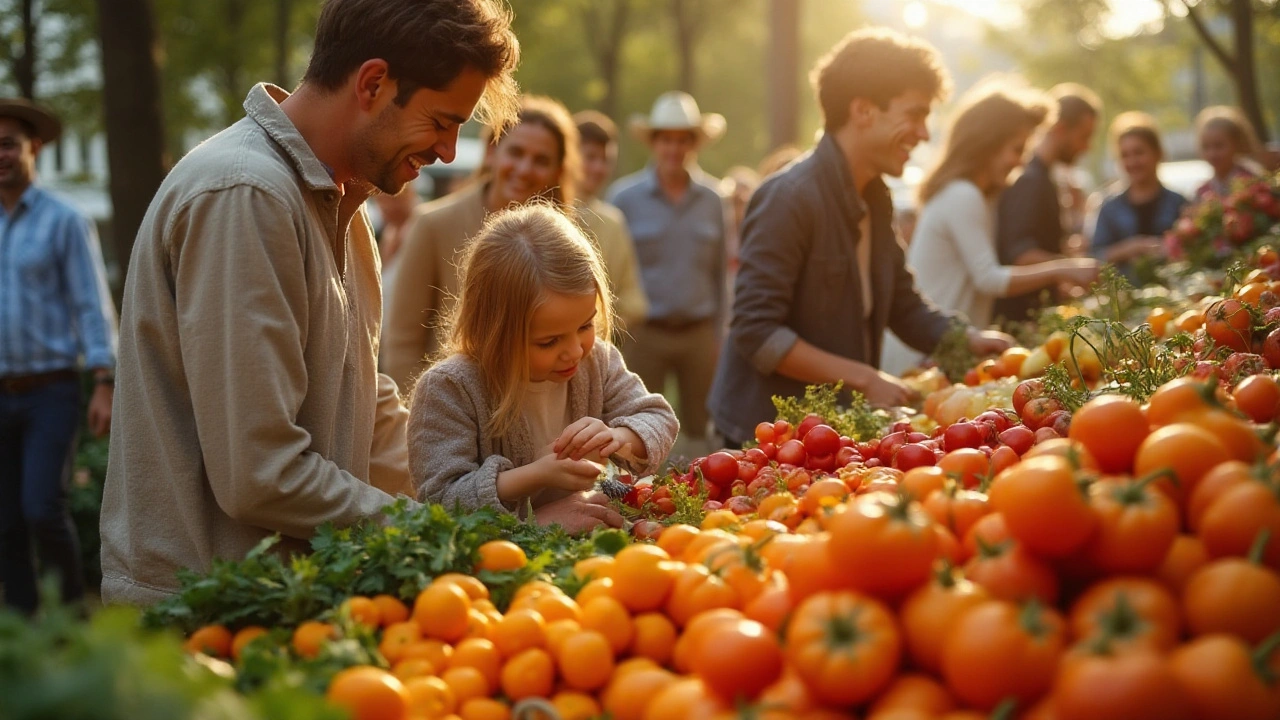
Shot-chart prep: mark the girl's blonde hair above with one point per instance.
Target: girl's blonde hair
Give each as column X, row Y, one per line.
column 507, row 271
column 1231, row 121
column 986, row 118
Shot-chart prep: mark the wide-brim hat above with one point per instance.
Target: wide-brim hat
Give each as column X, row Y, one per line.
column 678, row 111
column 47, row 126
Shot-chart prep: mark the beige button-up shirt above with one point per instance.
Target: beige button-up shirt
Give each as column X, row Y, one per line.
column 247, row 397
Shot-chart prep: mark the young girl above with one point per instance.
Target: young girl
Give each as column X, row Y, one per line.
column 529, row 395
column 1226, row 142
column 953, row 251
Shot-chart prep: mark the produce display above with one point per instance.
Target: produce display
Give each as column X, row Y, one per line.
column 1085, row 527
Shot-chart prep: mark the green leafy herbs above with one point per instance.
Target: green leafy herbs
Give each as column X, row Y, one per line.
column 856, row 419
column 952, row 355
column 1058, row 384
column 398, row 556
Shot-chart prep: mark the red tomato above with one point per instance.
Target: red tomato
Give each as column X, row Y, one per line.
column 913, row 455
column 791, row 452
column 1019, row 437
column 720, row 468
column 961, row 435
column 765, row 433
column 821, row 440
column 809, row 422
column 1026, row 391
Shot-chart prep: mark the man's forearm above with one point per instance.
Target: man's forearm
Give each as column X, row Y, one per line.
column 810, row 364
column 1035, row 255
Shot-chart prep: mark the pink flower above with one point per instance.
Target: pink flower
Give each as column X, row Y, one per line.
column 1238, row 225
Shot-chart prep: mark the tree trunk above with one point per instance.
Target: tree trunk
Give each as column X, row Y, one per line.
column 284, row 13
column 782, row 66
column 24, row 66
column 232, row 66
column 686, row 34
column 1246, row 75
column 605, row 33
column 133, row 115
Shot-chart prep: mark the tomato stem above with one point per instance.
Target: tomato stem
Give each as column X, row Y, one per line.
column 1145, row 480
column 1259, row 546
column 1004, row 711
column 1262, row 659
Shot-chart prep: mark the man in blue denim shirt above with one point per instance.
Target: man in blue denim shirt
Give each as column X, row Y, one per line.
column 677, row 221
column 56, row 316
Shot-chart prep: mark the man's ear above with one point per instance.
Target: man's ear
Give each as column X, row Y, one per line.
column 36, row 145
column 862, row 111
column 374, row 84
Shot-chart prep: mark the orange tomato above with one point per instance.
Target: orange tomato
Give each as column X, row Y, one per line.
column 598, row 566
column 883, row 545
column 1258, row 396
column 1111, row 427
column 519, row 630
column 1178, row 399
column 967, row 466
column 853, row 665
column 610, row 618
column 1119, row 687
column 1136, row 613
column 696, row 591
column 999, row 650
column 529, row 673
column 1222, row 679
column 362, row 610
column 368, row 693
column 1186, row 556
column 827, row 491
column 436, row 652
column 737, row 660
column 1043, row 506
column 442, row 611
column 956, row 509
column 466, row 683
column 212, row 640
column 1009, row 572
column 571, row 705
column 310, row 636
column 484, row 709
column 685, row 698
column 430, row 697
column 642, row 577
column 500, row 555
column 390, row 610
column 471, row 585
column 1233, row 524
column 243, row 637
column 480, row 654
column 1187, row 450
column 920, row 482
column 654, row 637
column 559, row 630
column 1136, row 526
column 396, row 637
column 1214, row 483
column 720, row 519
column 691, row 639
column 628, row 696
column 929, row 612
column 557, row 606
column 1234, row 596
column 412, row 668
column 913, row 692
column 585, row 660
column 600, row 587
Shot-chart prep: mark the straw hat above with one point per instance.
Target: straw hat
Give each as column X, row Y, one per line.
column 46, row 124
column 678, row 111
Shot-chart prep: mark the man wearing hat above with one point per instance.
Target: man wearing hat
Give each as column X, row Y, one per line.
column 677, row 220
column 56, row 316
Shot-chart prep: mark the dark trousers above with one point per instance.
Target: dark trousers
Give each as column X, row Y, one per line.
column 37, row 440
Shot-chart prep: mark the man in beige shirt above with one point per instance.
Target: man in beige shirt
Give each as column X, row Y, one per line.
column 604, row 221
column 247, row 391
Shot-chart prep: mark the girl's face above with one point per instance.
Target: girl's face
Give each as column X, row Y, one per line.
column 562, row 333
column 1006, row 159
column 1217, row 149
column 525, row 163
column 1138, row 159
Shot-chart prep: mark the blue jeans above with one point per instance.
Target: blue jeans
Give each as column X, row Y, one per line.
column 37, row 441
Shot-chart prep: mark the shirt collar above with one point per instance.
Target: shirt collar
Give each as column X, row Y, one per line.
column 696, row 179
column 263, row 106
column 862, row 203
column 26, row 201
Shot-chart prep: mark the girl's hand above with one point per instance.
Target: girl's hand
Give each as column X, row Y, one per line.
column 566, row 473
column 588, row 436
column 579, row 513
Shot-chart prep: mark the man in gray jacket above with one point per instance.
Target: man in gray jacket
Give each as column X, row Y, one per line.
column 822, row 272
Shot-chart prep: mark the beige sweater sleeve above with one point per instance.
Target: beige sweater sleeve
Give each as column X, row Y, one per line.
column 413, row 298
column 241, row 301
column 389, row 455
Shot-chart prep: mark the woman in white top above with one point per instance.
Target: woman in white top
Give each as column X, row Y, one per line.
column 953, row 250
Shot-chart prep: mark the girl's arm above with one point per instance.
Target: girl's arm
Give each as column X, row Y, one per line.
column 628, row 406
column 444, row 447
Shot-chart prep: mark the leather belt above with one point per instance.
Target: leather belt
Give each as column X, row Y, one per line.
column 16, row 384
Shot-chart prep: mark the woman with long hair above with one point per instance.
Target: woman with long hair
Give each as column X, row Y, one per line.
column 953, row 251
column 1133, row 218
column 537, row 158
column 1227, row 142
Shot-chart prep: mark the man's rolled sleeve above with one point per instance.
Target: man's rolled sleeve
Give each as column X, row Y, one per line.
column 775, row 238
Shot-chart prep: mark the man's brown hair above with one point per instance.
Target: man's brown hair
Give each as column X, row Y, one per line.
column 1136, row 124
column 877, row 64
column 426, row 44
column 596, row 127
column 1075, row 103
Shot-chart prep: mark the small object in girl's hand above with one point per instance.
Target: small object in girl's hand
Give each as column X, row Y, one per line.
column 610, row 485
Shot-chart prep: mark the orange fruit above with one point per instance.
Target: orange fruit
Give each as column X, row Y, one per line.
column 499, row 555
column 477, row 624
column 488, row 608
column 535, row 589
column 634, row 664
column 412, row 668
column 571, row 705
column 585, row 660
column 212, row 640
column 719, row 519
column 559, row 630
column 627, row 696
column 434, row 651
column 557, row 606
column 676, row 538
column 362, row 610
column 390, row 609
column 396, row 637
column 368, row 693
column 600, row 587
column 484, row 709
column 654, row 638
column 480, row 654
column 430, row 697
column 472, row 586
column 442, row 611
column 596, row 566
column 608, row 617
column 517, row 631
column 530, row 673
column 466, row 683
column 642, row 577
column 310, row 635
column 243, row 637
